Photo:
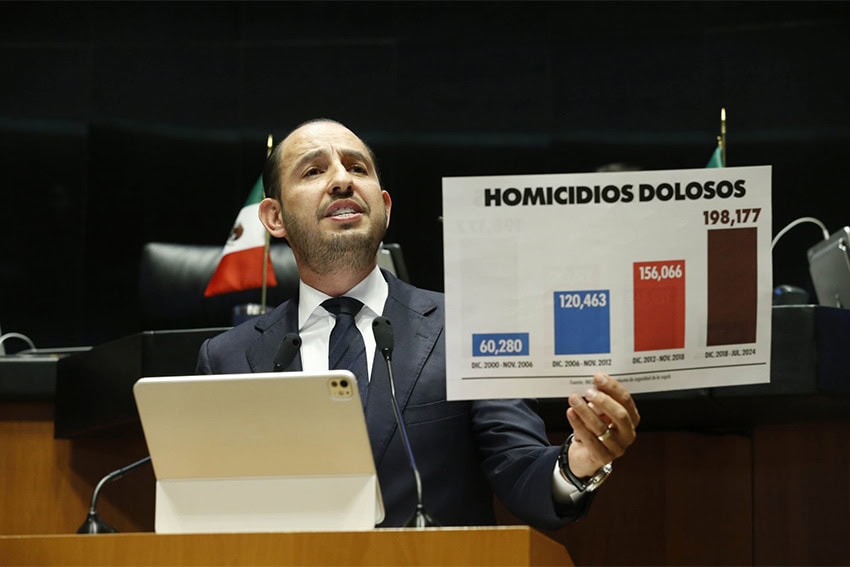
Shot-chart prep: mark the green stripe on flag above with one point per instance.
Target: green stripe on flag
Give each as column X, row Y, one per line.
column 716, row 158
column 256, row 195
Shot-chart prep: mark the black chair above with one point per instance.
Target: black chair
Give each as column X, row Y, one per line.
column 173, row 277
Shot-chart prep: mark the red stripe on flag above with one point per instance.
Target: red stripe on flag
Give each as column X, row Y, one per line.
column 240, row 270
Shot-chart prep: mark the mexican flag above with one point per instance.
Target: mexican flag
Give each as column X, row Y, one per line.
column 241, row 263
column 716, row 158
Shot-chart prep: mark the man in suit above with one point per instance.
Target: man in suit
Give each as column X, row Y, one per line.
column 324, row 196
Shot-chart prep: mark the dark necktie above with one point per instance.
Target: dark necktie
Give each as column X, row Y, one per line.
column 347, row 350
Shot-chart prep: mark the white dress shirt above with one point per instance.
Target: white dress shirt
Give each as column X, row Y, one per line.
column 315, row 323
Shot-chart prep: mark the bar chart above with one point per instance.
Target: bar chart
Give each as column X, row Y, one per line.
column 667, row 288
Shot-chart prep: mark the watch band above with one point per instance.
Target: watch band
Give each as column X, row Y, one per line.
column 588, row 485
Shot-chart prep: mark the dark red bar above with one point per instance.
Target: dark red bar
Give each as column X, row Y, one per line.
column 732, row 286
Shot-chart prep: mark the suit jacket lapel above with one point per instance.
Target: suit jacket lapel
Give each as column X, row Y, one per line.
column 415, row 333
column 273, row 327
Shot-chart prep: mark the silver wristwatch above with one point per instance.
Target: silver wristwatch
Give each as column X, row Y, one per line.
column 588, row 485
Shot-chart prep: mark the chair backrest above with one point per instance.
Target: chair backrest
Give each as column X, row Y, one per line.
column 173, row 277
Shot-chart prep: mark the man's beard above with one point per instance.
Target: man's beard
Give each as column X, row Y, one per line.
column 328, row 254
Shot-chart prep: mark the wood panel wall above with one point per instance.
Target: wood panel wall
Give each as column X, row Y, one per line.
column 775, row 495
column 46, row 484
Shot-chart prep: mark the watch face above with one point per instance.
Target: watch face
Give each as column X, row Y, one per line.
column 600, row 477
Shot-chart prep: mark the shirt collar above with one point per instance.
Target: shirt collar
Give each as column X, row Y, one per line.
column 372, row 291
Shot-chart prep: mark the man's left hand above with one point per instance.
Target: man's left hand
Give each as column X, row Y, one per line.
column 603, row 423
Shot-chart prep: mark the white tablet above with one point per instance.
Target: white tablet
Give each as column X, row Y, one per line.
column 259, row 452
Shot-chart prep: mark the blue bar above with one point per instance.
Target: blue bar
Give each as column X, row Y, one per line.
column 500, row 344
column 582, row 322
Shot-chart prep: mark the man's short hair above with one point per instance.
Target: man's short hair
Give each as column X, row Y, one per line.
column 272, row 185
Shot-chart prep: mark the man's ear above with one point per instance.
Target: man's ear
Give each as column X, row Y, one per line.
column 388, row 205
column 270, row 216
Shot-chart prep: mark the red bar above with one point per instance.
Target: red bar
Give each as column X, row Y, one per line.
column 659, row 298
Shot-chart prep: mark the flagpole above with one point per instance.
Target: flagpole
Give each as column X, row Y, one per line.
column 266, row 245
column 722, row 138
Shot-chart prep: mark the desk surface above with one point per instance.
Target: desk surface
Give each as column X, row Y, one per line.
column 507, row 545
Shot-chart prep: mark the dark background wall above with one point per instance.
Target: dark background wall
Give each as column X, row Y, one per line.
column 123, row 123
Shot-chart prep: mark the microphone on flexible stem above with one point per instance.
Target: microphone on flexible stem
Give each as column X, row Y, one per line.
column 93, row 524
column 286, row 352
column 383, row 330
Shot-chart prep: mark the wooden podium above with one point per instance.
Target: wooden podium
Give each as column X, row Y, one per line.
column 508, row 545
column 721, row 477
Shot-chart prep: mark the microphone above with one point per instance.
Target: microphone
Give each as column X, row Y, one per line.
column 286, row 352
column 93, row 524
column 383, row 330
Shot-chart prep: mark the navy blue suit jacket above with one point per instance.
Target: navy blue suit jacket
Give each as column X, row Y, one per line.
column 465, row 450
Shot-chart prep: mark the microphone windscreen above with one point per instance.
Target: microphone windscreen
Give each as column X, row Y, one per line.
column 286, row 353
column 383, row 330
